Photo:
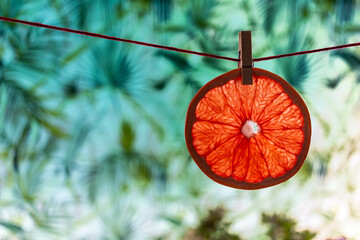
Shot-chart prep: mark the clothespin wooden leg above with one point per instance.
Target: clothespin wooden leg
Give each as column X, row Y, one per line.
column 245, row 57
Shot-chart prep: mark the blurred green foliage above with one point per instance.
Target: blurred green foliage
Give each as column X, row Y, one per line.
column 283, row 228
column 212, row 227
column 91, row 131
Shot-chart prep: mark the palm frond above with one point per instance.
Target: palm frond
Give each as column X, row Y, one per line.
column 113, row 67
column 162, row 9
column 121, row 221
column 179, row 61
column 344, row 10
column 118, row 172
column 277, row 14
column 29, row 181
column 11, row 8
column 20, row 104
column 270, row 12
column 12, row 227
column 199, row 13
column 349, row 57
column 296, row 69
column 80, row 134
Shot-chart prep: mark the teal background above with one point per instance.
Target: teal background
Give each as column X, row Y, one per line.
column 92, row 131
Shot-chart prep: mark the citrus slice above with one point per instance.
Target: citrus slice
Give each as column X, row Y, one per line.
column 248, row 136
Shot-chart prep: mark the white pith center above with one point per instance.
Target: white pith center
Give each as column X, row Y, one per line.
column 250, row 128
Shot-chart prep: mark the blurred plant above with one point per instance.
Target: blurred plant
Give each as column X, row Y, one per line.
column 212, row 227
column 282, row 227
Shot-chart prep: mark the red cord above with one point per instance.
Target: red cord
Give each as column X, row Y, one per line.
column 173, row 48
column 307, row 52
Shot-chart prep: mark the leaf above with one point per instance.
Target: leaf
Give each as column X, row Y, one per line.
column 174, row 220
column 333, row 82
column 352, row 59
column 348, row 28
column 19, row 103
column 199, row 14
column 213, row 227
column 53, row 129
column 344, row 10
column 119, row 171
column 12, row 227
column 108, row 177
column 82, row 131
column 29, row 181
column 270, row 11
column 283, row 227
column 74, row 54
column 192, row 83
column 158, row 129
column 162, row 9
column 113, row 66
column 178, row 60
column 172, row 28
column 160, row 84
column 11, row 8
column 127, row 136
column 296, row 69
column 277, row 12
column 124, row 73
column 91, row 181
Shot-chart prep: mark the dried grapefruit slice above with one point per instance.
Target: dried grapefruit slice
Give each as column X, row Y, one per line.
column 248, row 136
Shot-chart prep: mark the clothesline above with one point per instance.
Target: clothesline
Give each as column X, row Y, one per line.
column 90, row 34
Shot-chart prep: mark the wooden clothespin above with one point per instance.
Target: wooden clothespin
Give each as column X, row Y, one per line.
column 245, row 57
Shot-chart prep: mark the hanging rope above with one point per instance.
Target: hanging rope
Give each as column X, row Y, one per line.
column 40, row 25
